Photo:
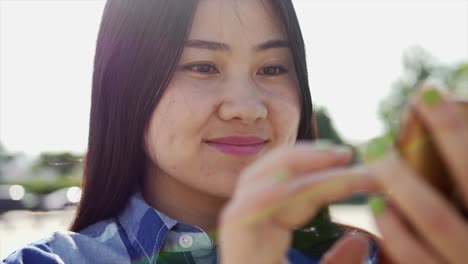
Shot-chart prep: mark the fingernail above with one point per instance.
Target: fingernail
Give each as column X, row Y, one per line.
column 376, row 149
column 280, row 177
column 323, row 144
column 376, row 204
column 431, row 97
column 342, row 149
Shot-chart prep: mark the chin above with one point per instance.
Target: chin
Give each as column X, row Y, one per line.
column 221, row 192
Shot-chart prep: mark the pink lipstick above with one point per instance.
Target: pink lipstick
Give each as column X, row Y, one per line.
column 237, row 145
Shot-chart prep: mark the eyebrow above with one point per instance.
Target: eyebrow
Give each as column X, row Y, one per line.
column 218, row 46
column 204, row 44
column 272, row 44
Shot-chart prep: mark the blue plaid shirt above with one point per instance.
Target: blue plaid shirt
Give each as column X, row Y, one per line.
column 140, row 234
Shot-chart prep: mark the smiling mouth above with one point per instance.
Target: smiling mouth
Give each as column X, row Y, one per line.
column 238, row 150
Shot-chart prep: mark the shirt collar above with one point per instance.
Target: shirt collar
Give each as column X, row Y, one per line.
column 146, row 228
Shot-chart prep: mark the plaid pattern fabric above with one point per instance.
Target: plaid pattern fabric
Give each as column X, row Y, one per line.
column 140, row 234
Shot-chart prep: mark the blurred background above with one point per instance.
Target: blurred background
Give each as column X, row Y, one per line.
column 365, row 60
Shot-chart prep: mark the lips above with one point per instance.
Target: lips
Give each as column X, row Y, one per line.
column 237, row 145
column 237, row 140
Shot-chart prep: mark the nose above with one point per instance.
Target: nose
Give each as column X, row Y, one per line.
column 242, row 100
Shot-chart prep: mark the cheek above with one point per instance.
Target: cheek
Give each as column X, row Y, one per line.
column 176, row 127
column 163, row 126
column 288, row 122
column 285, row 117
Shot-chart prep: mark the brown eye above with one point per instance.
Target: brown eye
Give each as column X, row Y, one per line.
column 202, row 68
column 272, row 70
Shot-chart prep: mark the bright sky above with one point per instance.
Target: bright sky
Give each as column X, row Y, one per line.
column 354, row 53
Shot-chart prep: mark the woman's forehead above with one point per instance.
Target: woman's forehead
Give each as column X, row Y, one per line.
column 229, row 21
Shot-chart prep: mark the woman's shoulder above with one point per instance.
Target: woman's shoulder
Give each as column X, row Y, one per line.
column 42, row 251
column 37, row 252
column 98, row 241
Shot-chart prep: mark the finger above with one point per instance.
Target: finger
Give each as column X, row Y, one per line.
column 301, row 158
column 449, row 126
column 350, row 249
column 435, row 219
column 398, row 243
column 305, row 195
column 292, row 203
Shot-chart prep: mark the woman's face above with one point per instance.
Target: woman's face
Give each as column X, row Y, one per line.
column 236, row 78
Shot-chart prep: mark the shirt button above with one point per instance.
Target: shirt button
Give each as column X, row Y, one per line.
column 185, row 241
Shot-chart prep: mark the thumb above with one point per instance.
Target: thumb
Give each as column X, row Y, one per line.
column 352, row 248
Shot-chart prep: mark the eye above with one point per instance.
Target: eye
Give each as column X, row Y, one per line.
column 272, row 70
column 202, row 68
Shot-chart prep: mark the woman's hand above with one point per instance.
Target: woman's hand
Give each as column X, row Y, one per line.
column 280, row 192
column 417, row 224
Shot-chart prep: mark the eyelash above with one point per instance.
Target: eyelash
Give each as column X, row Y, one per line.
column 278, row 69
column 192, row 67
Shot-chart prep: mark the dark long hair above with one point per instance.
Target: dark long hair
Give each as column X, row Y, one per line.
column 138, row 47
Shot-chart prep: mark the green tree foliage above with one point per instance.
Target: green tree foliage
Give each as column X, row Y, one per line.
column 419, row 67
column 5, row 157
column 63, row 163
column 456, row 79
column 326, row 130
column 325, row 127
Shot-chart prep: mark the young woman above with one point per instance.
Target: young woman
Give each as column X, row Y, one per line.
column 197, row 146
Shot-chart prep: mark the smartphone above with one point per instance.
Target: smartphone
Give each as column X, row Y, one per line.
column 417, row 147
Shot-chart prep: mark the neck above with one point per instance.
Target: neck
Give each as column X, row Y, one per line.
column 182, row 202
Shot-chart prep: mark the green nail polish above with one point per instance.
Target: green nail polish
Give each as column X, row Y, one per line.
column 376, row 149
column 376, row 204
column 323, row 144
column 280, row 177
column 342, row 149
column 431, row 97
